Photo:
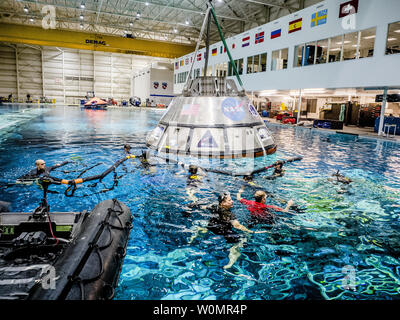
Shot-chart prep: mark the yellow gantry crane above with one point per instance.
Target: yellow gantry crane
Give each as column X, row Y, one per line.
column 87, row 41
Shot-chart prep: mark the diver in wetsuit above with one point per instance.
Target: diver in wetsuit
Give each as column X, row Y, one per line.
column 41, row 170
column 278, row 171
column 127, row 148
column 249, row 179
column 225, row 223
column 144, row 162
column 194, row 181
column 343, row 180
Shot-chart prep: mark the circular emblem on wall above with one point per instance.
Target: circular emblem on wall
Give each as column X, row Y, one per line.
column 233, row 109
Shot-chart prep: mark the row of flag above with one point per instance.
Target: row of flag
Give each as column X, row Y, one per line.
column 317, row 19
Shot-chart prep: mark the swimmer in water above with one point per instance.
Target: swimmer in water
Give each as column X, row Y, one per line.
column 145, row 163
column 259, row 211
column 343, row 180
column 278, row 171
column 41, row 170
column 225, row 223
column 194, row 180
column 127, row 148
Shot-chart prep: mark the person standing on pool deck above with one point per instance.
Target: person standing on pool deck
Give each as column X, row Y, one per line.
column 41, row 169
column 259, row 211
column 224, row 222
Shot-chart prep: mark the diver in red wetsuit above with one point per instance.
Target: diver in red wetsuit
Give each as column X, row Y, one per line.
column 259, row 211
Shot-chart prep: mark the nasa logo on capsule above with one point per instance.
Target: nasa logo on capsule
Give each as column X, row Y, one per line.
column 253, row 110
column 233, row 109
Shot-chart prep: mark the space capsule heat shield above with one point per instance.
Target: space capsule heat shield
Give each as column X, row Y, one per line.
column 212, row 119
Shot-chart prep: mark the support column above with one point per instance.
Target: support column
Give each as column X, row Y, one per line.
column 63, row 75
column 299, row 108
column 17, row 70
column 131, row 77
column 111, row 76
column 80, row 75
column 43, row 89
column 94, row 72
column 267, row 14
column 382, row 117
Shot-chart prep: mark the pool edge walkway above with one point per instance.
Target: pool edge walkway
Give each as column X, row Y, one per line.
column 367, row 132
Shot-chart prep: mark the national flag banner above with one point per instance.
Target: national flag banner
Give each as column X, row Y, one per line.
column 187, row 61
column 214, row 52
column 319, row 18
column 259, row 37
column 233, row 46
column 199, row 57
column 222, row 48
column 246, row 41
column 295, row 25
column 347, row 8
column 181, row 63
column 191, row 59
column 190, row 109
column 276, row 34
column 177, row 65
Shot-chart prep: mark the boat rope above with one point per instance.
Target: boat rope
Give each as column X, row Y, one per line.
column 72, row 184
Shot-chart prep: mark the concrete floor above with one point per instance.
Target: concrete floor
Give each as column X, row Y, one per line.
column 362, row 132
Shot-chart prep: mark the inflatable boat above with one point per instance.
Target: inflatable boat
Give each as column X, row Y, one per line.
column 96, row 104
column 63, row 255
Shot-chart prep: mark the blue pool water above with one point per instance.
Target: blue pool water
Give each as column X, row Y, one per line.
column 343, row 246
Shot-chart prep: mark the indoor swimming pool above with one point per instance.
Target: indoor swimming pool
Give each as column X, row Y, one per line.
column 344, row 244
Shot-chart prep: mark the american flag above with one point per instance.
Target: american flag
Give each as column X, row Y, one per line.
column 190, row 109
column 199, row 57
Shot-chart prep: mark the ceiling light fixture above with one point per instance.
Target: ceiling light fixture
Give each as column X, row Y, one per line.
column 81, row 26
column 187, row 22
column 31, row 20
column 138, row 14
column 131, row 24
column 392, row 39
column 82, row 5
column 369, row 37
column 267, row 93
column 316, row 90
column 146, row 3
column 81, row 17
column 26, row 9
